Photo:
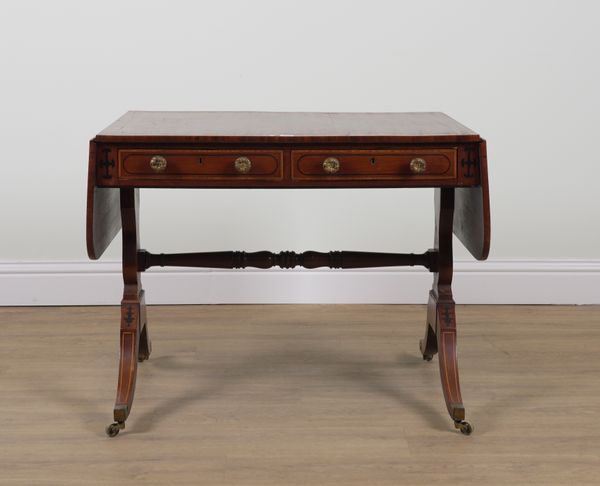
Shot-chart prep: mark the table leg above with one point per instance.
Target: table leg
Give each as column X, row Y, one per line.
column 440, row 328
column 134, row 338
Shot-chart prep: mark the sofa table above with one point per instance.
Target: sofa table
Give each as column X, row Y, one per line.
column 288, row 150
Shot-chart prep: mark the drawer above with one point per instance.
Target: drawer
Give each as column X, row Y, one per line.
column 400, row 164
column 212, row 164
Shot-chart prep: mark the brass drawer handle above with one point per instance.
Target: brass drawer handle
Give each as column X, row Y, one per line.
column 243, row 165
column 418, row 166
column 331, row 165
column 158, row 163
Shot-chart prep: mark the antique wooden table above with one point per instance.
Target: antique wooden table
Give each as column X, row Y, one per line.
column 289, row 150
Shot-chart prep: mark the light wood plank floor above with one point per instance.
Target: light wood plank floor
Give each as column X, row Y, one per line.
column 306, row 395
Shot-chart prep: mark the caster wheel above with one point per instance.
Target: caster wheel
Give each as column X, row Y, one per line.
column 426, row 357
column 465, row 427
column 113, row 429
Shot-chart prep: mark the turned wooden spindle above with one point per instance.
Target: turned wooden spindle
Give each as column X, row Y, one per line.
column 287, row 259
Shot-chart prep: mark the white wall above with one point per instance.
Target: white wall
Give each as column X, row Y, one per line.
column 523, row 74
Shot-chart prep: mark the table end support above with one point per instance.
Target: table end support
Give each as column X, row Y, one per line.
column 440, row 328
column 135, row 344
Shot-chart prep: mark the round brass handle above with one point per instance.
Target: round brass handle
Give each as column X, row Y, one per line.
column 158, row 163
column 418, row 166
column 243, row 165
column 331, row 165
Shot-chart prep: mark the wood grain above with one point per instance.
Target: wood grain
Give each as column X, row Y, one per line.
column 472, row 224
column 199, row 163
column 247, row 126
column 286, row 259
column 368, row 165
column 133, row 312
column 103, row 216
column 375, row 149
column 300, row 395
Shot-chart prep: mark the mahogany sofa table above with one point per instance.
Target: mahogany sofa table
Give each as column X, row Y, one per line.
column 289, row 150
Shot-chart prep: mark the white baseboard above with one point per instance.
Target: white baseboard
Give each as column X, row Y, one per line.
column 491, row 282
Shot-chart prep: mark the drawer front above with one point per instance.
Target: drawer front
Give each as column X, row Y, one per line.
column 401, row 164
column 193, row 164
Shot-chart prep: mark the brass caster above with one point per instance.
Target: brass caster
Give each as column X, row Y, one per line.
column 113, row 429
column 426, row 357
column 465, row 427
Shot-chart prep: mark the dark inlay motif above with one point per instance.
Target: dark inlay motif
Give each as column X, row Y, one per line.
column 446, row 316
column 129, row 316
column 470, row 162
column 107, row 164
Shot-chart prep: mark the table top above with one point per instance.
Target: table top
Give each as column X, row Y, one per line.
column 241, row 149
column 249, row 126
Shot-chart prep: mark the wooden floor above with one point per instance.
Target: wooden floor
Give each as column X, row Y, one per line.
column 302, row 395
